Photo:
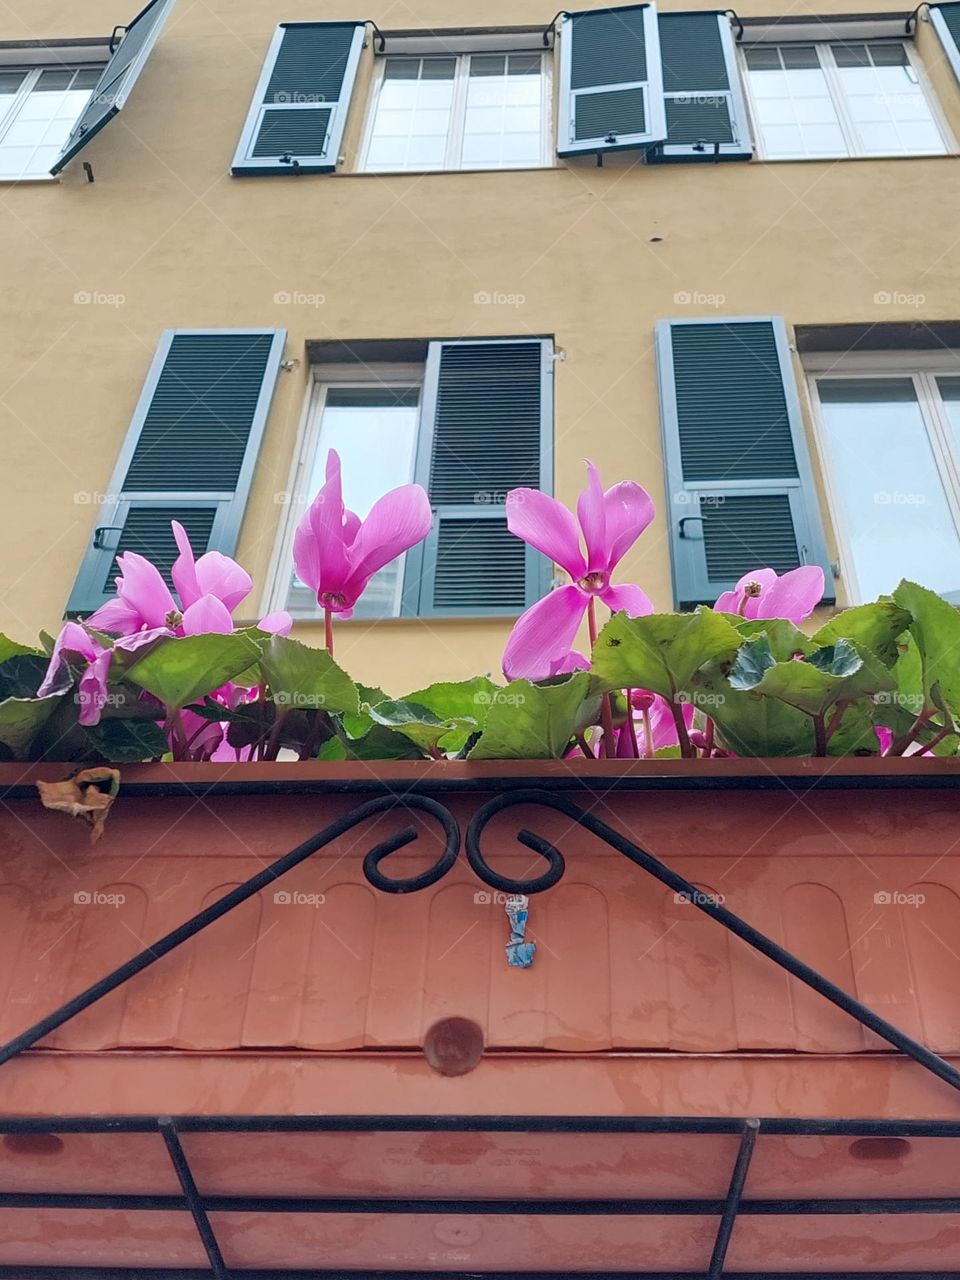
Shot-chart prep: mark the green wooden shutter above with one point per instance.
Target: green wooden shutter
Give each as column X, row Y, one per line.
column 119, row 76
column 299, row 109
column 486, row 427
column 189, row 454
column 946, row 19
column 706, row 113
column 611, row 90
column 738, row 475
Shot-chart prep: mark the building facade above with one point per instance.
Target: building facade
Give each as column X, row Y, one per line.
column 474, row 249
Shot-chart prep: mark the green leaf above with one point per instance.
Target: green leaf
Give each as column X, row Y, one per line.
column 751, row 662
column 869, row 626
column 127, row 741
column 356, row 725
column 381, row 743
column 22, row 719
column 12, row 649
column 935, row 627
column 181, row 670
column 464, row 703
column 418, row 723
column 22, row 675
column 785, row 640
column 747, row 723
column 533, row 721
column 830, row 675
column 661, row 652
column 305, row 679
column 333, row 749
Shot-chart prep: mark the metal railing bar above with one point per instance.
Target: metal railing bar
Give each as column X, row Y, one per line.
column 732, row 1206
column 532, row 1208
column 704, row 1126
column 184, row 1174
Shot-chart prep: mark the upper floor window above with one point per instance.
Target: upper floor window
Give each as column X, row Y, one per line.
column 466, row 111
column 824, row 100
column 39, row 107
column 891, row 448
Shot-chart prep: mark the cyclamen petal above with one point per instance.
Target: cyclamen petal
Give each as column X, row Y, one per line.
column 795, row 595
column 542, row 637
column 278, row 624
column 628, row 598
column 397, row 522
column 73, row 638
column 591, row 512
column 207, row 616
column 142, row 587
column 628, row 510
column 545, row 523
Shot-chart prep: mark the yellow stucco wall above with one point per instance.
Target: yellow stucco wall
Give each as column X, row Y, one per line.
column 186, row 245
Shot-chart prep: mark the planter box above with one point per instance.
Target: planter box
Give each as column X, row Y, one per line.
column 314, row 998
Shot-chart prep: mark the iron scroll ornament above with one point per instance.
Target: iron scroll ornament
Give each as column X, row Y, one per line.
column 262, row 880
column 691, row 893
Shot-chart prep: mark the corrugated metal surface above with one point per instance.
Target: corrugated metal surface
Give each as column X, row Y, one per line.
column 326, row 963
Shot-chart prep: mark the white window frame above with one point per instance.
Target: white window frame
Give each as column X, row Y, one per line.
column 458, row 111
column 296, row 499
column 33, row 71
column 835, row 88
column 923, row 372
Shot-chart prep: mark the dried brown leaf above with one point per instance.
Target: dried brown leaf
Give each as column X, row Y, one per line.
column 87, row 795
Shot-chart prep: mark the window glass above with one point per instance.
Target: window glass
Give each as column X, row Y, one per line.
column 794, row 110
column 886, row 102
column 374, row 430
column 33, row 131
column 503, row 124
column 474, row 111
column 413, row 114
column 892, row 500
column 830, row 100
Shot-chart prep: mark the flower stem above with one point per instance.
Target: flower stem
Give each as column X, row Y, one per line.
column 899, row 745
column 328, row 631
column 631, row 727
column 819, row 736
column 584, row 746
column 606, row 709
column 686, row 748
column 648, row 749
column 708, row 733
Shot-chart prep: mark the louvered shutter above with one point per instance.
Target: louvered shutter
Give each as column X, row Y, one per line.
column 299, row 110
column 189, row 453
column 705, row 109
column 486, row 427
column 738, row 474
column 611, row 89
column 946, row 19
column 119, row 76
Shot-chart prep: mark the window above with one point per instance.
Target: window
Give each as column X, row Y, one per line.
column 826, row 100
column 466, row 111
column 38, row 109
column 372, row 424
column 467, row 419
column 891, row 446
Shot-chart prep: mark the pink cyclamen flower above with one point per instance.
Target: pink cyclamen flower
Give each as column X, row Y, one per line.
column 336, row 553
column 209, row 589
column 75, row 640
column 763, row 593
column 609, row 523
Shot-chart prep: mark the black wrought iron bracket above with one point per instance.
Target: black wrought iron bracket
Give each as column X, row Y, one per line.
column 377, row 874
